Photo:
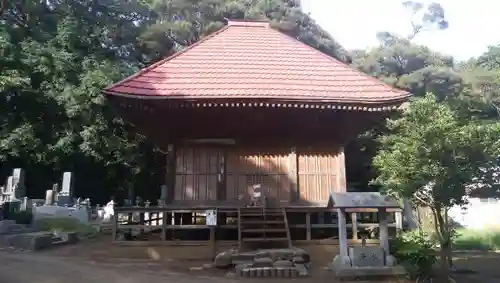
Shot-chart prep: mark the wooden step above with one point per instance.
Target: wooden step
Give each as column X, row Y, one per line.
column 264, row 230
column 259, row 222
column 260, row 240
column 262, row 215
column 276, row 221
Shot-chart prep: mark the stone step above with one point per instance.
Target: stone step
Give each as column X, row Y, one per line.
column 279, row 272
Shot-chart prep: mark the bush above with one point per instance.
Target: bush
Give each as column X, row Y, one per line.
column 65, row 224
column 474, row 239
column 416, row 251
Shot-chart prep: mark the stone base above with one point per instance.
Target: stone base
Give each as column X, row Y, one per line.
column 28, row 241
column 64, row 238
column 342, row 269
column 280, row 263
column 233, row 257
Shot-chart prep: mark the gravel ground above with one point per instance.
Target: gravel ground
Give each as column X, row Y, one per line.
column 40, row 268
column 99, row 262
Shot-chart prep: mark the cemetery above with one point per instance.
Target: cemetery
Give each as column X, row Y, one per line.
column 356, row 258
column 24, row 232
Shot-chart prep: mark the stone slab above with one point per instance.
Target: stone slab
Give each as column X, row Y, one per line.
column 298, row 259
column 28, row 241
column 367, row 256
column 67, row 237
column 302, row 270
column 361, row 200
column 368, row 273
column 283, row 263
column 5, row 226
column 224, row 259
column 233, row 257
column 262, row 262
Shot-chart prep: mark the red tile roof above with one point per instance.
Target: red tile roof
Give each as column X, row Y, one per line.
column 250, row 60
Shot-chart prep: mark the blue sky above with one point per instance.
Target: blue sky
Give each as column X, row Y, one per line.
column 354, row 23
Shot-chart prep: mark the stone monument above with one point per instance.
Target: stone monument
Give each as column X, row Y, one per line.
column 65, row 196
column 9, row 189
column 363, row 261
column 18, row 183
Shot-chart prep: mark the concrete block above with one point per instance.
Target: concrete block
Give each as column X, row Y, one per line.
column 262, row 262
column 30, row 241
column 301, row 270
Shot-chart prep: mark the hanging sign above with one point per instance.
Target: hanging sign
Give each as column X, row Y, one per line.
column 211, row 217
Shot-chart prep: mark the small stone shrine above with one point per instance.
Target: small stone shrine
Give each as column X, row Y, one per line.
column 363, row 261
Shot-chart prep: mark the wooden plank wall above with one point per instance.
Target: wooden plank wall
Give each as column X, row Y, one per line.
column 247, row 167
column 284, row 173
column 196, row 173
column 319, row 172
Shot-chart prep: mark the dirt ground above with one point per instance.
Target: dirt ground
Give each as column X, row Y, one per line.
column 102, row 261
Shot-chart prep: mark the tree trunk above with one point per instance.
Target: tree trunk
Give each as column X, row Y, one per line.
column 444, row 263
column 445, row 245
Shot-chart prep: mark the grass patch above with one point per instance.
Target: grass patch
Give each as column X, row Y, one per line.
column 477, row 239
column 66, row 224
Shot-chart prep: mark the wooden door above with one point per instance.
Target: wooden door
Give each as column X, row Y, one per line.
column 200, row 174
column 247, row 167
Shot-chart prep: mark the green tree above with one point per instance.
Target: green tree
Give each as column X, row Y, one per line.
column 57, row 56
column 435, row 157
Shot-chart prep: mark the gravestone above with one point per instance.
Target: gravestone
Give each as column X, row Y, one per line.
column 55, row 193
column 7, row 193
column 18, row 187
column 65, row 196
column 26, row 204
column 163, row 195
column 9, row 188
column 49, row 197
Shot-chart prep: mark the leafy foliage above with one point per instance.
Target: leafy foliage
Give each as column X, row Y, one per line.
column 415, row 250
column 57, row 56
column 434, row 154
column 436, row 157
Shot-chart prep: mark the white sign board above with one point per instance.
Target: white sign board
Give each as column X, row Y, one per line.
column 211, row 217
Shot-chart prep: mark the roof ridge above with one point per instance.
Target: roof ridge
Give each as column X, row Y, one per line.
column 337, row 61
column 248, row 23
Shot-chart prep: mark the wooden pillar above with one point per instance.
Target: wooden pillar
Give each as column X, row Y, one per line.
column 341, row 178
column 398, row 215
column 115, row 225
column 222, row 176
column 308, row 226
column 170, row 173
column 293, row 175
column 354, row 220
